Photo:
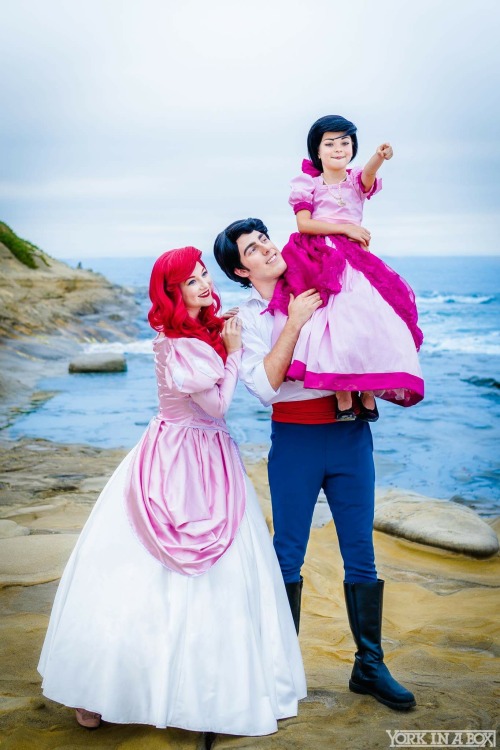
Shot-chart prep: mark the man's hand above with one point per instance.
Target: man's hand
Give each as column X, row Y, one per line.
column 385, row 151
column 301, row 308
column 358, row 234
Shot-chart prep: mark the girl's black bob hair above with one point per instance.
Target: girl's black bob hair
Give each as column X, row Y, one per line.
column 329, row 124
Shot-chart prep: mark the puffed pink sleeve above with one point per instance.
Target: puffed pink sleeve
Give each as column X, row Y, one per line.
column 356, row 173
column 196, row 368
column 301, row 194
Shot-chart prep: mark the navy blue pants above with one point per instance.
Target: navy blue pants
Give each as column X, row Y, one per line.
column 337, row 457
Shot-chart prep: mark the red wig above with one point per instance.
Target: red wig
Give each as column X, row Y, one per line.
column 168, row 313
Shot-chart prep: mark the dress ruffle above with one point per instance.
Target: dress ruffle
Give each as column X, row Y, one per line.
column 186, row 495
column 314, row 264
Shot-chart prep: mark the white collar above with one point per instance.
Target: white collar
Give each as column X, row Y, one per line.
column 257, row 296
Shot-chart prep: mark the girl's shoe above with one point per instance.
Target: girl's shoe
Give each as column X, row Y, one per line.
column 87, row 719
column 345, row 415
column 368, row 415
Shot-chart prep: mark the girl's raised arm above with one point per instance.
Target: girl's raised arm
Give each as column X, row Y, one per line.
column 369, row 173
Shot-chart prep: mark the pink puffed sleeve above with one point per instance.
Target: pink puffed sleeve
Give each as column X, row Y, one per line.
column 195, row 368
column 301, row 195
column 355, row 176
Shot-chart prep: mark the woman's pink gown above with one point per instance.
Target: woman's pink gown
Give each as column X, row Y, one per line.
column 172, row 610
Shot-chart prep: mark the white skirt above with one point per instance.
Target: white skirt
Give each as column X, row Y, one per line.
column 140, row 644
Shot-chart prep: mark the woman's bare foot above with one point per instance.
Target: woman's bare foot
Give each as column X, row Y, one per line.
column 87, row 719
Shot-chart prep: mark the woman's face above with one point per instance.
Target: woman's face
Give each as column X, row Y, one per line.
column 196, row 291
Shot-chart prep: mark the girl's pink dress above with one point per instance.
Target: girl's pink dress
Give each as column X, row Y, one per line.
column 365, row 337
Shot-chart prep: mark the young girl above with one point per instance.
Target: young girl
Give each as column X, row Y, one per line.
column 172, row 610
column 365, row 337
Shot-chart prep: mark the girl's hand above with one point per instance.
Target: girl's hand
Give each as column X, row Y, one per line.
column 358, row 234
column 231, row 334
column 230, row 313
column 385, row 151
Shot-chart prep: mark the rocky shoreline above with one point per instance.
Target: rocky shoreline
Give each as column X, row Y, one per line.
column 47, row 314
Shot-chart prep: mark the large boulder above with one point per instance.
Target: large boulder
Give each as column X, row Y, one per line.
column 439, row 523
column 98, row 362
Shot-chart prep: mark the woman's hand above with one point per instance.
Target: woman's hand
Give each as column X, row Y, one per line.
column 358, row 234
column 230, row 313
column 231, row 334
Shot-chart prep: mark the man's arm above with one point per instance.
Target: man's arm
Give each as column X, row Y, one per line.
column 277, row 362
column 263, row 369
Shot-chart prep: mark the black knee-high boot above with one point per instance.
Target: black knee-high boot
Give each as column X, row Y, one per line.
column 370, row 675
column 294, row 593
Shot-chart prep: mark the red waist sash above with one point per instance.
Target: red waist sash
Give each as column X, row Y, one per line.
column 311, row 411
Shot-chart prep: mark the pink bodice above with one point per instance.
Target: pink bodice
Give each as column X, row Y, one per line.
column 310, row 193
column 194, row 387
column 186, row 489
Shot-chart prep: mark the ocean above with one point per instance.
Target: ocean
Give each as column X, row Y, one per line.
column 444, row 447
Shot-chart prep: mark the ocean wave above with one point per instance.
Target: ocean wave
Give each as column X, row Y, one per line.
column 473, row 344
column 486, row 344
column 461, row 299
column 140, row 346
column 482, row 382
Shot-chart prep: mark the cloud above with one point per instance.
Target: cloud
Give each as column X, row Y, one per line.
column 190, row 114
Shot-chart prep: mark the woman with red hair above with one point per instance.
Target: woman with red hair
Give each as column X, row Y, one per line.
column 172, row 610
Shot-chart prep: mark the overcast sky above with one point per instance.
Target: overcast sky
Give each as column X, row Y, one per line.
column 132, row 126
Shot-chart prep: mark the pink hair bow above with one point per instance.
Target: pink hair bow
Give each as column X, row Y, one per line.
column 309, row 168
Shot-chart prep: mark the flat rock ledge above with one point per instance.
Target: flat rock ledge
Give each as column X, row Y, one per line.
column 11, row 528
column 438, row 523
column 99, row 362
column 34, row 559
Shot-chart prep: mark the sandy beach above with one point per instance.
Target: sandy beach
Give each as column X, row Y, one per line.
column 441, row 633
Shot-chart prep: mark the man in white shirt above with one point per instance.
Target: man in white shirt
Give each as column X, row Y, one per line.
column 310, row 450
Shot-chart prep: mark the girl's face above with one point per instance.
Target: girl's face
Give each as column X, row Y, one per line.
column 335, row 151
column 196, row 291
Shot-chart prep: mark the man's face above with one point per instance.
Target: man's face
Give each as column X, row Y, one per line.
column 261, row 258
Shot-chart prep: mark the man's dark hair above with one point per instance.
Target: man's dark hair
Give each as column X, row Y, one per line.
column 226, row 250
column 329, row 124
